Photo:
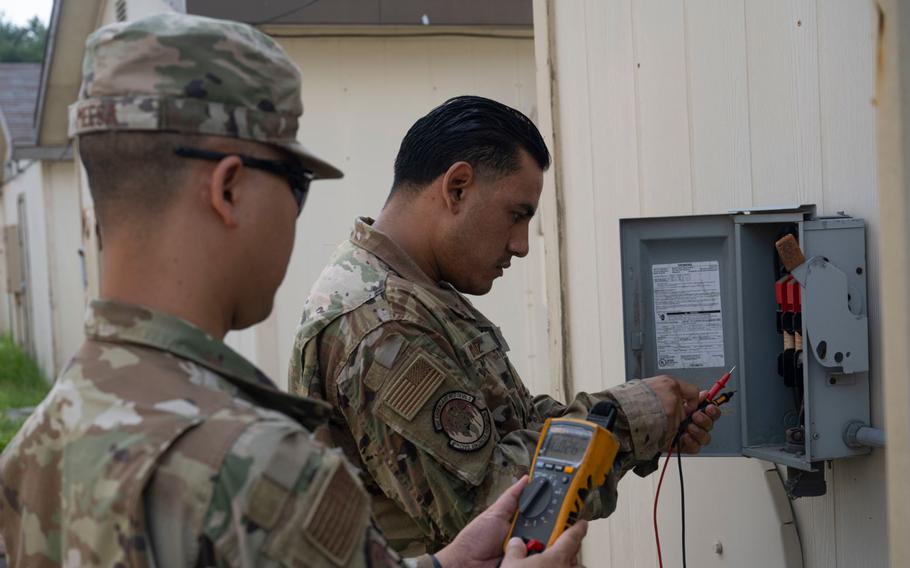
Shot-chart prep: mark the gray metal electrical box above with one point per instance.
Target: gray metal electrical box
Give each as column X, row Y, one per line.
column 701, row 294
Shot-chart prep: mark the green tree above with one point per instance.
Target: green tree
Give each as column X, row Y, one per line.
column 22, row 44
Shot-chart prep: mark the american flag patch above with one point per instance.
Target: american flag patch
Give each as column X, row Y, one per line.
column 340, row 518
column 409, row 390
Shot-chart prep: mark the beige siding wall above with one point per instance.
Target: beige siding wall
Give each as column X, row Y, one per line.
column 52, row 224
column 361, row 95
column 136, row 9
column 697, row 107
column 64, row 229
column 29, row 188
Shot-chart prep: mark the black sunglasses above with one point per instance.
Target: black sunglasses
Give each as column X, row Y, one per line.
column 298, row 178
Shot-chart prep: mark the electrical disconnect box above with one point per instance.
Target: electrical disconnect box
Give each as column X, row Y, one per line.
column 704, row 293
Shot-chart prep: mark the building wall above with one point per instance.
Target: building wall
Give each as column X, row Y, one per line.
column 64, row 231
column 698, row 107
column 29, row 185
column 52, row 246
column 360, row 97
column 136, row 9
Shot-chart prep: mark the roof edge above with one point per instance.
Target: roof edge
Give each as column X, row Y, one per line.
column 45, row 67
column 60, row 23
column 44, row 153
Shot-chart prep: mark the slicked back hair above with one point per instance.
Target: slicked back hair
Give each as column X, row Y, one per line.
column 480, row 131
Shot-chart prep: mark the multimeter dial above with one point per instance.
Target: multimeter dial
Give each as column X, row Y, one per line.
column 555, row 468
column 535, row 499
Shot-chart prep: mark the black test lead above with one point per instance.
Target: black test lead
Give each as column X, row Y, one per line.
column 709, row 399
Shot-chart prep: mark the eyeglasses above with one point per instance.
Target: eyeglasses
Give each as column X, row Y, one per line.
column 298, row 178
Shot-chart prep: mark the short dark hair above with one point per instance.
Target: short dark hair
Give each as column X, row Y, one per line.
column 133, row 175
column 480, row 131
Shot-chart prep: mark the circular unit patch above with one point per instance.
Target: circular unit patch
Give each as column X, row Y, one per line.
column 466, row 425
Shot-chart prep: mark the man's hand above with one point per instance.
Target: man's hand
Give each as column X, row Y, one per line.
column 564, row 551
column 697, row 434
column 680, row 398
column 480, row 543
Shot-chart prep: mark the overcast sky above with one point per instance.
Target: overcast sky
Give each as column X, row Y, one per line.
column 21, row 11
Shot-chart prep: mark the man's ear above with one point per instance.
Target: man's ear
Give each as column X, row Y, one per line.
column 455, row 182
column 222, row 190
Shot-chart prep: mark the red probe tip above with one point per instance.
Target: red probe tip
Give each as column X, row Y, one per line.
column 721, row 383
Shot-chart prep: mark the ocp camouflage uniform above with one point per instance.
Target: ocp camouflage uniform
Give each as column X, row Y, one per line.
column 425, row 400
column 159, row 445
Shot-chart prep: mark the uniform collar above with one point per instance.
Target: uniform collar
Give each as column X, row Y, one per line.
column 118, row 322
column 377, row 243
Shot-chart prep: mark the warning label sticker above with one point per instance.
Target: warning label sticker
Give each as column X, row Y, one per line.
column 687, row 315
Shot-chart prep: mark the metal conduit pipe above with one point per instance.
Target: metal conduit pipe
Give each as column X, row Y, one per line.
column 859, row 435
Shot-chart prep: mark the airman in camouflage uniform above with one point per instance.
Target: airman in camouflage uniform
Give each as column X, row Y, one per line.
column 158, row 444
column 424, row 397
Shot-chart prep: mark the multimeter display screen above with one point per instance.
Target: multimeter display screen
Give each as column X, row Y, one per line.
column 567, row 444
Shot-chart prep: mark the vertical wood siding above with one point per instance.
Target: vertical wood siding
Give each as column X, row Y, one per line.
column 694, row 107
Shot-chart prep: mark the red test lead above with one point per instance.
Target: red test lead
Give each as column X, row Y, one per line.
column 721, row 383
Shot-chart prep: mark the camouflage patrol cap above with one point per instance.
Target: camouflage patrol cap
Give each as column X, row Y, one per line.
column 178, row 73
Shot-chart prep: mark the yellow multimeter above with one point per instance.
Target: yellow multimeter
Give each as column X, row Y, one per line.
column 573, row 457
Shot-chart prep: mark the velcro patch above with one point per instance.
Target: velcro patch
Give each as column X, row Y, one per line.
column 479, row 346
column 339, row 518
column 412, row 386
column 465, row 424
column 266, row 500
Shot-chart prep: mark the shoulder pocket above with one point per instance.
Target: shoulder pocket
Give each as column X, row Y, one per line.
column 424, row 403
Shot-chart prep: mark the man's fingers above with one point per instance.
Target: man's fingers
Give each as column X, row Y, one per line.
column 702, row 395
column 687, row 445
column 515, row 549
column 568, row 544
column 713, row 412
column 702, row 437
column 689, row 393
column 693, row 440
column 507, row 504
column 703, row 421
column 516, row 489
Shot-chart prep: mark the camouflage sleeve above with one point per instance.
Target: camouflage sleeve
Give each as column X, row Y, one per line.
column 424, row 434
column 278, row 499
column 640, row 430
column 640, row 427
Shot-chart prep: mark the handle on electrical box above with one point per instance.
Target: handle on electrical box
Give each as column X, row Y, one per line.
column 838, row 338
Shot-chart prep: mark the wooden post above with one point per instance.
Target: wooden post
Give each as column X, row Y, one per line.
column 551, row 208
column 893, row 132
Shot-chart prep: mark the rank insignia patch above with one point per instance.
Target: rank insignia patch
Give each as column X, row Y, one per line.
column 466, row 425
